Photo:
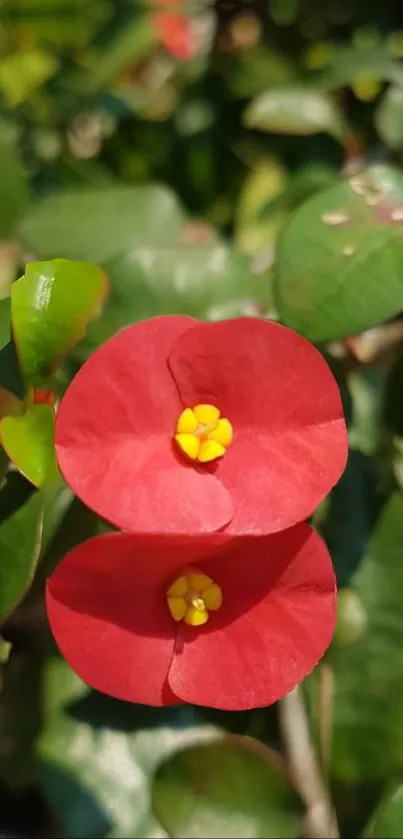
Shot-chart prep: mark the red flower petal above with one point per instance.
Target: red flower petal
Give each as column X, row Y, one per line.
column 114, row 438
column 175, row 34
column 290, row 442
column 107, row 611
column 276, row 621
column 174, row 30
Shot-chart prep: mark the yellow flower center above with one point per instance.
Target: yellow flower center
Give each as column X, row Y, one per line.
column 192, row 596
column 202, row 434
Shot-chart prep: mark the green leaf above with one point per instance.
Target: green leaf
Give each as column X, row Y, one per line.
column 100, row 224
column 368, row 674
column 14, row 194
column 393, row 399
column 265, row 182
column 175, row 279
column 347, row 64
column 350, row 516
column 133, row 41
column 5, row 650
column 10, row 372
column 387, row 821
column 20, row 544
column 230, row 788
column 97, row 756
column 51, row 306
column 296, row 110
column 255, row 69
column 340, row 258
column 5, row 322
column 389, row 117
column 23, row 73
column 20, row 716
column 29, row 441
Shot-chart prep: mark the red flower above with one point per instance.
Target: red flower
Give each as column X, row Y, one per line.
column 174, row 30
column 122, row 432
column 162, row 621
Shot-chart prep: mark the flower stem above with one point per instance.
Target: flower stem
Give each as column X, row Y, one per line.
column 320, row 820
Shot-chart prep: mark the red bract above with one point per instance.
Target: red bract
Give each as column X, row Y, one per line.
column 174, row 29
column 116, row 426
column 108, row 610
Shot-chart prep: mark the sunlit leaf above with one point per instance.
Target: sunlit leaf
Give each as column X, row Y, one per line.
column 51, row 306
column 296, row 110
column 340, row 260
column 100, row 224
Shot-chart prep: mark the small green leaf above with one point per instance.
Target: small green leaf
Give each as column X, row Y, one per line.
column 387, row 821
column 340, row 258
column 20, row 545
column 296, row 110
column 228, row 789
column 100, row 224
column 97, row 756
column 29, row 441
column 51, row 306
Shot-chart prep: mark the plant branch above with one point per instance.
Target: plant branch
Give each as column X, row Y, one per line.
column 320, row 822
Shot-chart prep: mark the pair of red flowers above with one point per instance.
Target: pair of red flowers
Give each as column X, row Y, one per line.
column 207, row 443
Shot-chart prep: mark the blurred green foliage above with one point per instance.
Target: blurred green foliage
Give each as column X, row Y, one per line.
column 260, row 174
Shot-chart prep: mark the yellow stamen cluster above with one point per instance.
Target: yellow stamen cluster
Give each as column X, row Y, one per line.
column 192, row 596
column 202, row 434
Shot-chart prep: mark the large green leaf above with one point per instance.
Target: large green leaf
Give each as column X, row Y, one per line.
column 20, row 545
column 161, row 279
column 227, row 789
column 387, row 822
column 368, row 712
column 99, row 224
column 97, row 756
column 296, row 110
column 340, row 258
column 51, row 305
